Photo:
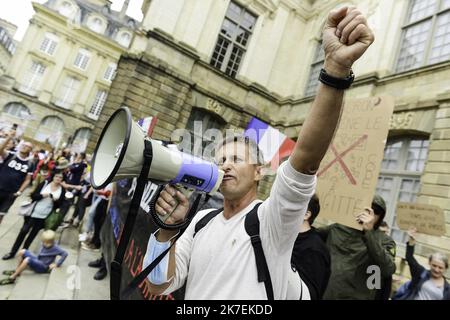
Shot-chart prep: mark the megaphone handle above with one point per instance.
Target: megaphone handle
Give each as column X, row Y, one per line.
column 156, row 217
column 186, row 192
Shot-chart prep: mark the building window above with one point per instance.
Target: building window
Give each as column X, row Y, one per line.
column 51, row 130
column 49, row 44
column 97, row 106
column 81, row 140
column 399, row 180
column 198, row 123
column 7, row 42
column 17, row 110
column 67, row 93
column 110, row 72
column 233, row 39
column 426, row 35
column 33, row 79
column 316, row 66
column 82, row 59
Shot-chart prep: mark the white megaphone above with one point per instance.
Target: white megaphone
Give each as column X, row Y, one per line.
column 119, row 155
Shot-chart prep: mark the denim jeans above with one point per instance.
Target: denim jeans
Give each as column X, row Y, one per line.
column 89, row 226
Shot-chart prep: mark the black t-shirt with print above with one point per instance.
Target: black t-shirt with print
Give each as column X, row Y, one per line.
column 13, row 172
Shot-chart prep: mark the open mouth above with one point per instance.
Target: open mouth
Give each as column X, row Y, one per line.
column 227, row 177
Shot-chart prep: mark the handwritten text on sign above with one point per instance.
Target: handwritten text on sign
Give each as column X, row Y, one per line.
column 349, row 172
column 426, row 219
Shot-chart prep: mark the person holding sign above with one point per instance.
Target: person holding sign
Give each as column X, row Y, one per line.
column 425, row 284
column 360, row 260
column 219, row 262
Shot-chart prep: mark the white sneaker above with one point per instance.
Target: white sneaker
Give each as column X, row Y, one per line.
column 82, row 237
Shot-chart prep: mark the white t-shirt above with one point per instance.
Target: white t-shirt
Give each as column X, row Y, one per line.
column 219, row 263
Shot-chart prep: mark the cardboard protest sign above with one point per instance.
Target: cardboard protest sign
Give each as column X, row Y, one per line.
column 425, row 218
column 348, row 174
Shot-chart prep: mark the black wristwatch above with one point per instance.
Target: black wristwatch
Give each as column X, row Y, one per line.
column 338, row 83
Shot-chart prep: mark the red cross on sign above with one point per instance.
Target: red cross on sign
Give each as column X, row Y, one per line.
column 339, row 159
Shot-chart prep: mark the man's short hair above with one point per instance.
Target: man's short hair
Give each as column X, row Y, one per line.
column 314, row 208
column 255, row 152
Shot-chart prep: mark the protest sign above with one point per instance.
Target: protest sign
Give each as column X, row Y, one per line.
column 348, row 174
column 425, row 218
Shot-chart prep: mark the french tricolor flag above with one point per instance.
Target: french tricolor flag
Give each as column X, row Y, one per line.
column 147, row 124
column 273, row 144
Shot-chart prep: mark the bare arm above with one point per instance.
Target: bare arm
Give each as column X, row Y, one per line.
column 346, row 37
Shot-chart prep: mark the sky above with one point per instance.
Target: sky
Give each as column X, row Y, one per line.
column 19, row 12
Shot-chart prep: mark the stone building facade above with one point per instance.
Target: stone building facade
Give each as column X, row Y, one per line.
column 58, row 80
column 223, row 62
column 7, row 44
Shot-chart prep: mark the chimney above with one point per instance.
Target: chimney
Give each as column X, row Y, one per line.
column 123, row 12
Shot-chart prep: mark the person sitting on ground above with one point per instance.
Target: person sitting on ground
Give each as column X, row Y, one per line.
column 43, row 263
column 425, row 284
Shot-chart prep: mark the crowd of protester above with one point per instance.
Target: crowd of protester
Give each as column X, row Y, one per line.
column 331, row 261
column 58, row 195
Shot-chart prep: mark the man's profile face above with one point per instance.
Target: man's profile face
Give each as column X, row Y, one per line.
column 241, row 171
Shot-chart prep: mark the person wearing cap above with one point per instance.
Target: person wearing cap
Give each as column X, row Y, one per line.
column 354, row 253
column 15, row 172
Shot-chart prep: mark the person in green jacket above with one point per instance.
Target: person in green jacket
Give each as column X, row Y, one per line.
column 360, row 260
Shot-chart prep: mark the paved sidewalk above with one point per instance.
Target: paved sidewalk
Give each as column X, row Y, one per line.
column 73, row 281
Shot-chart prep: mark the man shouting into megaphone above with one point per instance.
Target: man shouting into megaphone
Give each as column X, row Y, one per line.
column 216, row 255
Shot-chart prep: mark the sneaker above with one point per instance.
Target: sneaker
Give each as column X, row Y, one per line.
column 82, row 237
column 90, row 247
